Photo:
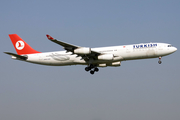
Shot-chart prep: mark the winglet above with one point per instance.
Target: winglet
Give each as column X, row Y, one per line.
column 49, row 37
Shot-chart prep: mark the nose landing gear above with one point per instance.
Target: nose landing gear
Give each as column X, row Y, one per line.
column 159, row 60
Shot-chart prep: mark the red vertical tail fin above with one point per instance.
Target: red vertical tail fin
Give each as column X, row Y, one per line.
column 21, row 46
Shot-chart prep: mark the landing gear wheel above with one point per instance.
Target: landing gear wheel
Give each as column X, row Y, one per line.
column 87, row 69
column 96, row 69
column 92, row 72
column 92, row 68
column 159, row 62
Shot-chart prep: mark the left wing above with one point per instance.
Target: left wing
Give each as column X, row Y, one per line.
column 67, row 46
column 84, row 52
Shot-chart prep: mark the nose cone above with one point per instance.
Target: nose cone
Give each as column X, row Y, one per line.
column 174, row 49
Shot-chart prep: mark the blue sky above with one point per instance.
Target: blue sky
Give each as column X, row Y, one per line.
column 140, row 89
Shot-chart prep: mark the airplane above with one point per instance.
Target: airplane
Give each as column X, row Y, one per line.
column 92, row 57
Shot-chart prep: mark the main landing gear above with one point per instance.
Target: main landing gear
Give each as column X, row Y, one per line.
column 159, row 60
column 92, row 69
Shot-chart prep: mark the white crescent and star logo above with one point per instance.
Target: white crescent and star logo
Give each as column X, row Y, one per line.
column 20, row 45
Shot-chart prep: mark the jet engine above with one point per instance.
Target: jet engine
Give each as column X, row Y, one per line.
column 106, row 57
column 82, row 50
column 115, row 64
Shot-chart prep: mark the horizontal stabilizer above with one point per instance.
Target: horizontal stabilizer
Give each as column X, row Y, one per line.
column 17, row 56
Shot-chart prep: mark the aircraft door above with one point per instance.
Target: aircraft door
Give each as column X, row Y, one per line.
column 40, row 57
column 160, row 47
column 128, row 49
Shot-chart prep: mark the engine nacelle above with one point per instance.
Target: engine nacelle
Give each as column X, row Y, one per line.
column 102, row 65
column 82, row 50
column 106, row 57
column 115, row 64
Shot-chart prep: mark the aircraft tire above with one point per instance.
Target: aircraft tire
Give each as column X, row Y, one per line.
column 92, row 72
column 96, row 69
column 159, row 62
column 87, row 69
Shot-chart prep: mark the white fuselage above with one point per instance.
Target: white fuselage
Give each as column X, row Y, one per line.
column 120, row 53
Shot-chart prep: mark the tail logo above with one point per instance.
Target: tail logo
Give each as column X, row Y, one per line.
column 20, row 45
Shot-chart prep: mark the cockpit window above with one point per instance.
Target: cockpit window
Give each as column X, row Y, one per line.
column 169, row 45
